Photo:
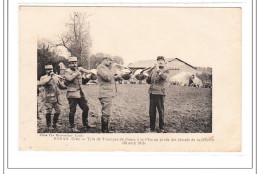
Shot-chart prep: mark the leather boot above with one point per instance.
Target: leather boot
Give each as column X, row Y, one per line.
column 48, row 119
column 71, row 120
column 105, row 124
column 102, row 125
column 85, row 121
column 55, row 119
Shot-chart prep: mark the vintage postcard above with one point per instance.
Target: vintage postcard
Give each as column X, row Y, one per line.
column 137, row 79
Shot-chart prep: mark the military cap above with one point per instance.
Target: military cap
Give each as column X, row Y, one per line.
column 108, row 58
column 73, row 59
column 160, row 57
column 48, row 67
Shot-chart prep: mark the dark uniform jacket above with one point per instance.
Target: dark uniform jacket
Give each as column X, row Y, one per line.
column 106, row 81
column 157, row 82
column 74, row 87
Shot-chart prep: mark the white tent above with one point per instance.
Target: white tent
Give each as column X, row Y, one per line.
column 197, row 82
column 183, row 78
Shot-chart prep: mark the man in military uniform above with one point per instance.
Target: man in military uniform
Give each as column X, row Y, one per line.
column 157, row 79
column 75, row 94
column 51, row 84
column 106, row 75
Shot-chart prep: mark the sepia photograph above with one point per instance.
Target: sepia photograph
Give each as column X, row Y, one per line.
column 147, row 78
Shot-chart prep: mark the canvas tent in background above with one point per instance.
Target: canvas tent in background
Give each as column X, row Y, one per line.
column 197, row 82
column 183, row 79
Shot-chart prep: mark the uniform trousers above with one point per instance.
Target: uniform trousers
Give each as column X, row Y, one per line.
column 156, row 101
column 56, row 106
column 106, row 110
column 83, row 104
column 106, row 104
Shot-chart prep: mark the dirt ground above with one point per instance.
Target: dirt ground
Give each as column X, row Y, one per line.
column 187, row 110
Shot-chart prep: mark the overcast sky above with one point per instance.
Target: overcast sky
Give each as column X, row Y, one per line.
column 197, row 36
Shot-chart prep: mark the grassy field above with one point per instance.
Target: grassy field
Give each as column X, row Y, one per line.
column 187, row 110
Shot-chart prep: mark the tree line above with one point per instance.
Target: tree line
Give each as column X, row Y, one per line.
column 76, row 41
column 47, row 56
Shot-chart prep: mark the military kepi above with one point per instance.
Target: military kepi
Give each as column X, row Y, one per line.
column 73, row 59
column 160, row 58
column 48, row 67
column 110, row 58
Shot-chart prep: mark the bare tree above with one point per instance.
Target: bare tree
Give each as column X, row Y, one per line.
column 44, row 44
column 48, row 53
column 77, row 39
